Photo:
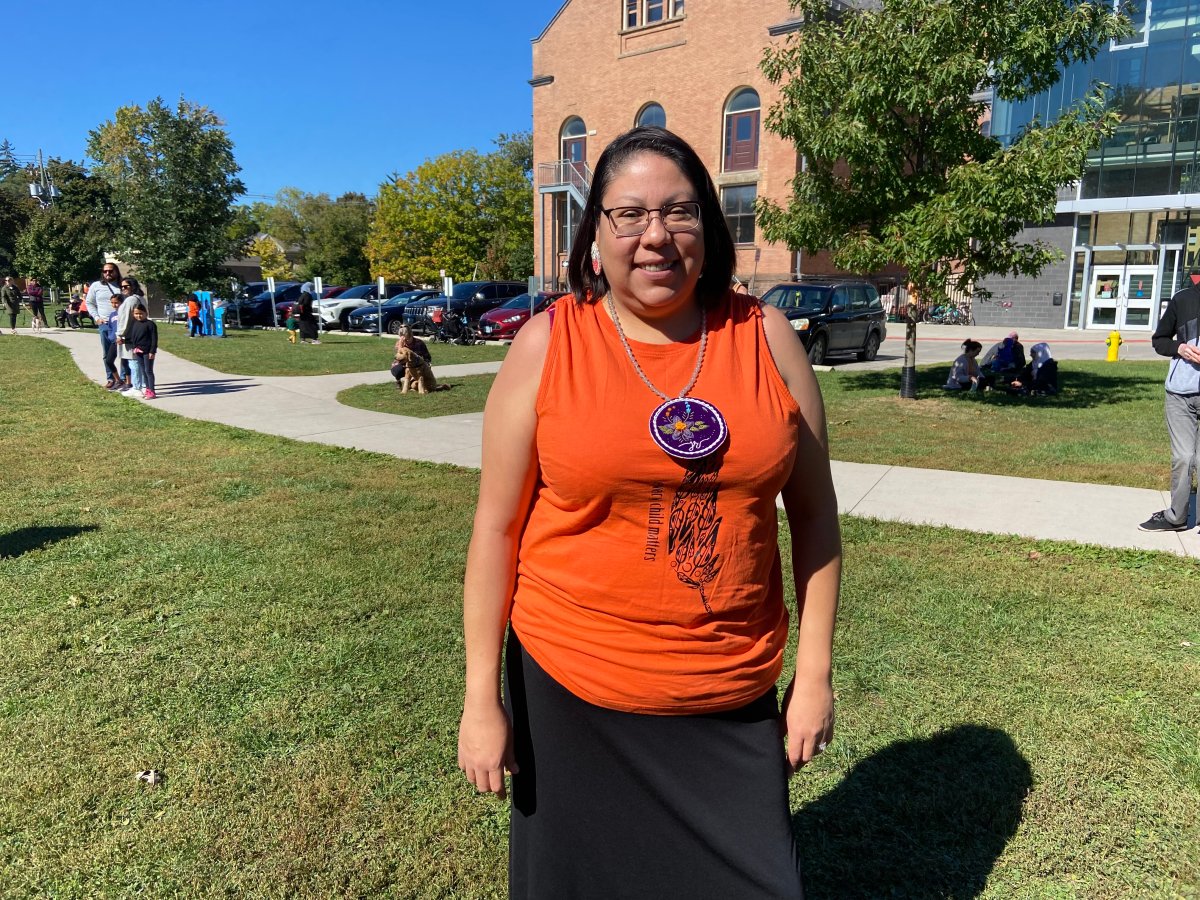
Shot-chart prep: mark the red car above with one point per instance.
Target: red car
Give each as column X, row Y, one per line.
column 505, row 321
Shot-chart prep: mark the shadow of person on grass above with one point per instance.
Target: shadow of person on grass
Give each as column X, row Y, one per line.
column 1077, row 389
column 35, row 537
column 204, row 388
column 920, row 818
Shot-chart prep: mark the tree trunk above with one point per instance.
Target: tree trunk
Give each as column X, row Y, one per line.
column 908, row 375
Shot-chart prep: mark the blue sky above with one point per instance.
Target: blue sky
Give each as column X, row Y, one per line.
column 326, row 97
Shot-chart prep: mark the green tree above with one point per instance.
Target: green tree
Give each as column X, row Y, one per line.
column 886, row 116
column 8, row 160
column 174, row 178
column 64, row 243
column 457, row 211
column 243, row 226
column 274, row 262
column 336, row 239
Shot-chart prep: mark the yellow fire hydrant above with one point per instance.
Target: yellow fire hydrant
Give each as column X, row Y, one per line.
column 1114, row 343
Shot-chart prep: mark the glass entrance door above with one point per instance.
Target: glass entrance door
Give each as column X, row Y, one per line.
column 1121, row 297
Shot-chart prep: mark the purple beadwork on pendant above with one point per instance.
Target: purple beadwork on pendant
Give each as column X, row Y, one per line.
column 687, row 428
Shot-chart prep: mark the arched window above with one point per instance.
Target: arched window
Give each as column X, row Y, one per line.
column 574, row 140
column 652, row 114
column 741, row 131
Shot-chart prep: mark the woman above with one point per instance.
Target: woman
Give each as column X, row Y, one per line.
column 1040, row 376
column 965, row 374
column 407, row 342
column 131, row 297
column 308, row 322
column 37, row 303
column 11, row 297
column 638, row 563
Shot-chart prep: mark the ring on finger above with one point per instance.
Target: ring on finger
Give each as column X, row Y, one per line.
column 821, row 746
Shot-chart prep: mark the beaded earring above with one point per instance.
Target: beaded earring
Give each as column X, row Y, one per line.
column 596, row 266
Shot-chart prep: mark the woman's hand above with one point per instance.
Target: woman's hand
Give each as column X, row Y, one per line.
column 807, row 719
column 485, row 747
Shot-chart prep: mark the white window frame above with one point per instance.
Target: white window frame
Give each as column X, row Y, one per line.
column 1145, row 28
column 672, row 9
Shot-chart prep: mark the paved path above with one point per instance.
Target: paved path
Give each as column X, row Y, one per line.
column 306, row 408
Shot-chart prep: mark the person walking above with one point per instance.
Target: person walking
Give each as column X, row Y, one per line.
column 637, row 570
column 1178, row 337
column 141, row 336
column 131, row 296
column 37, row 303
column 98, row 302
column 10, row 295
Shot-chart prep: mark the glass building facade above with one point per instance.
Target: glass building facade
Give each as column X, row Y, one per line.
column 1137, row 208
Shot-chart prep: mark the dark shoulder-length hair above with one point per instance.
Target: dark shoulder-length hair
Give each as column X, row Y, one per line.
column 719, row 254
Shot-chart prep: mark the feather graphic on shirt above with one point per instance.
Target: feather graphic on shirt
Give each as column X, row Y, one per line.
column 693, row 528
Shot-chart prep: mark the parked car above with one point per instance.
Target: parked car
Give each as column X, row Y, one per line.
column 366, row 318
column 335, row 312
column 506, row 320
column 472, row 297
column 837, row 316
column 330, row 292
column 251, row 311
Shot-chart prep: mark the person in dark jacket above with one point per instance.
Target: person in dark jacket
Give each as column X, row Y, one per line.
column 1040, row 376
column 308, row 321
column 141, row 339
column 11, row 297
column 1178, row 337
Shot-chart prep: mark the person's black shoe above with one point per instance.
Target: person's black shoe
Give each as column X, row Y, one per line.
column 1158, row 522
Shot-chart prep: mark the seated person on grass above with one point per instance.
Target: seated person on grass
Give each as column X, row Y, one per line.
column 964, row 374
column 1006, row 356
column 1040, row 377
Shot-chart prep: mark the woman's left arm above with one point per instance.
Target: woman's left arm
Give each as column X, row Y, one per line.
column 811, row 507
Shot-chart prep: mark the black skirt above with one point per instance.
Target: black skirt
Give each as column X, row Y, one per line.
column 611, row 804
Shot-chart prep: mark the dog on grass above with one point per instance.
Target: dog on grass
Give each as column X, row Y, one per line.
column 417, row 372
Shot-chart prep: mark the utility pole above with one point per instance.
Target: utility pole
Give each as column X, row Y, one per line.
column 42, row 189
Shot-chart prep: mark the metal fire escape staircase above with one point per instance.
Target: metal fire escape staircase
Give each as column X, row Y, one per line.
column 574, row 179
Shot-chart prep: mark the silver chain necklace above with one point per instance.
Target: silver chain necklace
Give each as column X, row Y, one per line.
column 612, row 311
column 684, row 427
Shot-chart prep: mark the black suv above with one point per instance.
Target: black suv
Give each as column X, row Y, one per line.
column 472, row 297
column 833, row 316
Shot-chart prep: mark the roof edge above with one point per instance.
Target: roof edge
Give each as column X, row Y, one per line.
column 551, row 22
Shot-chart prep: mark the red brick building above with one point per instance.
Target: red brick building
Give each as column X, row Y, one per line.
column 602, row 66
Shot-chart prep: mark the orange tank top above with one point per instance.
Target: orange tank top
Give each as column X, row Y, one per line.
column 646, row 584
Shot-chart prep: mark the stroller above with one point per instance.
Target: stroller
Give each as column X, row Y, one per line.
column 455, row 328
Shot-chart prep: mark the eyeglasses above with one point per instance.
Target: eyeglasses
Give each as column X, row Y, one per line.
column 630, row 221
column 127, row 287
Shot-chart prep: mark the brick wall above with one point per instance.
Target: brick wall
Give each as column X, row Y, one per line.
column 1032, row 298
column 691, row 66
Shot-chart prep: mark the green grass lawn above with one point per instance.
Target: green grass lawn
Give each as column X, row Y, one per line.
column 1106, row 428
column 466, row 394
column 269, row 353
column 1016, row 718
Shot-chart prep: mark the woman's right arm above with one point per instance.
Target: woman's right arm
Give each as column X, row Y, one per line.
column 509, row 474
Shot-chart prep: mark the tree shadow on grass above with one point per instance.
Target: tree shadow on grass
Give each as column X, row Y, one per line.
column 1078, row 389
column 35, row 537
column 920, row 818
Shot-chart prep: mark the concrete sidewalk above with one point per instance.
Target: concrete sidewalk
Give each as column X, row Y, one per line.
column 306, row 408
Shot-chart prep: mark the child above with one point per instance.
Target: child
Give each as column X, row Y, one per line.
column 293, row 326
column 964, row 375
column 142, row 336
column 195, row 328
column 107, row 326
